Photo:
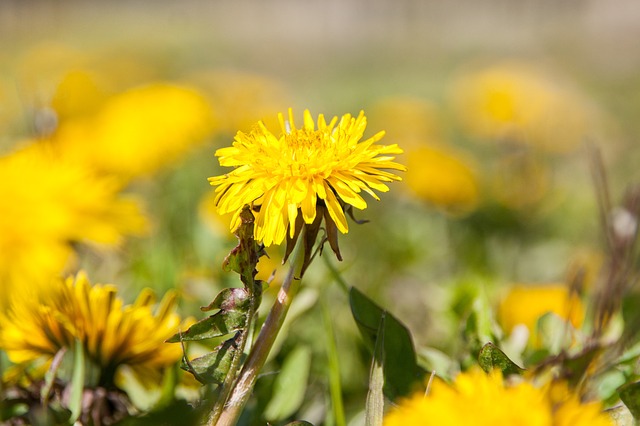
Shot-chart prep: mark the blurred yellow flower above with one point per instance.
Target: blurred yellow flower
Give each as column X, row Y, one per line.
column 304, row 171
column 239, row 99
column 519, row 104
column 442, row 178
column 408, row 119
column 525, row 304
column 40, row 323
column 139, row 131
column 479, row 399
column 47, row 203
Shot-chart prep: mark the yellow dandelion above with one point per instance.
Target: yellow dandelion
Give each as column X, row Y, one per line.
column 480, row 399
column 304, row 173
column 239, row 99
column 518, row 103
column 47, row 203
column 443, row 178
column 138, row 131
column 526, row 304
column 39, row 324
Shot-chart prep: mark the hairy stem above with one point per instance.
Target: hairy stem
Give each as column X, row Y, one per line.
column 260, row 351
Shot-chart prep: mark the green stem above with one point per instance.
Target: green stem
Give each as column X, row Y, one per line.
column 334, row 369
column 227, row 386
column 259, row 352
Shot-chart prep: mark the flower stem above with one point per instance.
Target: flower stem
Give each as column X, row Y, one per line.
column 259, row 352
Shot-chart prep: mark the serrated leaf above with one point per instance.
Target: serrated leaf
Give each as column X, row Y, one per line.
column 220, row 324
column 491, row 357
column 290, row 385
column 213, row 367
column 400, row 366
column 630, row 395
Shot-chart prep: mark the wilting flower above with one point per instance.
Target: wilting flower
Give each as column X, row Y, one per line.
column 476, row 398
column 303, row 175
column 39, row 324
column 49, row 202
column 526, row 304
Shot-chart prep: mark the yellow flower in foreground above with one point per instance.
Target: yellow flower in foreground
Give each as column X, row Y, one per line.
column 480, row 399
column 525, row 304
column 304, row 172
column 37, row 326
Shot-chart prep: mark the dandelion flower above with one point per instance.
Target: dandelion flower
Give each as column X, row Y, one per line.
column 518, row 103
column 442, row 178
column 138, row 131
column 47, row 203
column 36, row 326
column 480, row 399
column 303, row 175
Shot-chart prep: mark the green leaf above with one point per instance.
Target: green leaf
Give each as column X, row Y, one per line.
column 491, row 357
column 299, row 423
column 220, row 324
column 214, row 366
column 400, row 367
column 630, row 395
column 374, row 407
column 290, row 385
column 230, row 299
column 77, row 382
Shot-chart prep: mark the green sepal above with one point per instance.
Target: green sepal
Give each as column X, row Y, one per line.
column 213, row 367
column 400, row 365
column 491, row 357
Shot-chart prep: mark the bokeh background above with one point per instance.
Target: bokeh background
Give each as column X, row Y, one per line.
column 501, row 107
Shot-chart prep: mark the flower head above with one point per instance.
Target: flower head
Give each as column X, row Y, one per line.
column 48, row 202
column 37, row 326
column 476, row 398
column 138, row 131
column 303, row 174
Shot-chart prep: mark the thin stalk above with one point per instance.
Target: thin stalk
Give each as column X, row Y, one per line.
column 227, row 386
column 334, row 369
column 335, row 274
column 259, row 352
